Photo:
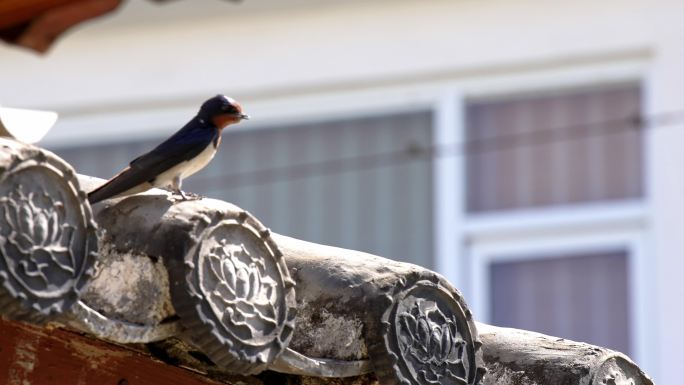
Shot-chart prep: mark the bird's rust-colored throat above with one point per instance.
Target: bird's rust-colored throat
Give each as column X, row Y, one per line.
column 224, row 120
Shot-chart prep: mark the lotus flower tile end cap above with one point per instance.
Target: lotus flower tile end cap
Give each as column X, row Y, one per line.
column 48, row 246
column 233, row 297
column 428, row 338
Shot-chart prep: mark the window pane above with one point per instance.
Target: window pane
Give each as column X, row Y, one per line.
column 357, row 183
column 582, row 298
column 565, row 148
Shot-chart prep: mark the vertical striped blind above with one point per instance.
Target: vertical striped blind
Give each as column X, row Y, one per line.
column 557, row 149
column 581, row 297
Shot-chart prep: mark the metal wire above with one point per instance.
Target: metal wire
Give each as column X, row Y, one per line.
column 470, row 147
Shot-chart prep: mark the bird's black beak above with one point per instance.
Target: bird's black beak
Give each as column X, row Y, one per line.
column 243, row 116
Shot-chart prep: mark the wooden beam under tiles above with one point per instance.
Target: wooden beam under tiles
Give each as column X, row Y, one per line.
column 31, row 355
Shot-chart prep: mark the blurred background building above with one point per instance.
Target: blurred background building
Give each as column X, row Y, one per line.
column 530, row 151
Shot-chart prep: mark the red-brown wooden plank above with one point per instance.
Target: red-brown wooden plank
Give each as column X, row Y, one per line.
column 36, row 356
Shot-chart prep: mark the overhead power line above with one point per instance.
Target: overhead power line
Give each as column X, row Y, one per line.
column 470, row 147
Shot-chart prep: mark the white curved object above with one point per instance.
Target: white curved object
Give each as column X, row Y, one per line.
column 28, row 126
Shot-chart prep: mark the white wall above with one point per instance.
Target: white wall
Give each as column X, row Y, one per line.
column 302, row 50
column 146, row 69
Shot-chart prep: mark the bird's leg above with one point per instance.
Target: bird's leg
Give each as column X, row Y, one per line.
column 176, row 189
column 176, row 186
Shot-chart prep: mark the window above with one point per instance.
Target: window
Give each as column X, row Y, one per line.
column 553, row 216
column 556, row 149
column 580, row 297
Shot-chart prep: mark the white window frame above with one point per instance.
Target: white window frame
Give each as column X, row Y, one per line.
column 453, row 226
column 466, row 244
column 631, row 239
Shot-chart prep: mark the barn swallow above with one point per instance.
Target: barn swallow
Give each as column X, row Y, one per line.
column 183, row 154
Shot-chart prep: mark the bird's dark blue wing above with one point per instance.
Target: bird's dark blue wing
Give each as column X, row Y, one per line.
column 184, row 145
